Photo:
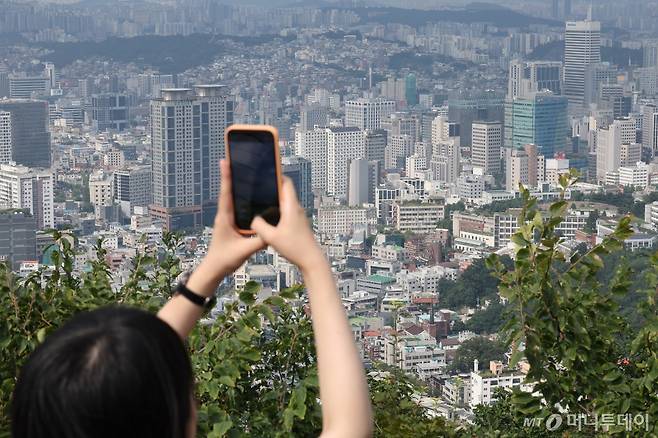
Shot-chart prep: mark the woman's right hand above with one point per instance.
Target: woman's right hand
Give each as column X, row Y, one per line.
column 293, row 237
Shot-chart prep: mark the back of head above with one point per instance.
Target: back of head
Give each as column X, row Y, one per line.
column 112, row 372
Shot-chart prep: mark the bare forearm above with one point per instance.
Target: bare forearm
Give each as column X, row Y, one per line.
column 179, row 312
column 343, row 389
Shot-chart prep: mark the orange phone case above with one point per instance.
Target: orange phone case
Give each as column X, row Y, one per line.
column 277, row 156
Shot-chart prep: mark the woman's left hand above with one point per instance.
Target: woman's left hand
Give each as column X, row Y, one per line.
column 228, row 249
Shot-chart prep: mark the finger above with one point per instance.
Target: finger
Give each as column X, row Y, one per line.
column 289, row 201
column 225, row 206
column 253, row 244
column 263, row 229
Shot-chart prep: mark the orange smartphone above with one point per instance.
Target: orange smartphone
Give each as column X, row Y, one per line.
column 253, row 154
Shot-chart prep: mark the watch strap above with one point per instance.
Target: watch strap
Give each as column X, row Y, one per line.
column 201, row 301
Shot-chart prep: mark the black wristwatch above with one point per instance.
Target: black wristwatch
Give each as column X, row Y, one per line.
column 206, row 302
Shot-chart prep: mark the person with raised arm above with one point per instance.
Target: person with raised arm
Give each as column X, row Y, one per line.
column 122, row 372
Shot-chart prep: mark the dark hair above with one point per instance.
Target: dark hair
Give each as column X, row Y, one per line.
column 112, row 372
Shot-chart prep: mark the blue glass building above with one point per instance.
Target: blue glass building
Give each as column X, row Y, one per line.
column 539, row 119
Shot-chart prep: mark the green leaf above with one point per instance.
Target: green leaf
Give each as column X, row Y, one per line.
column 519, row 240
column 227, row 380
column 557, row 209
column 267, row 312
column 251, row 355
column 245, row 334
column 612, row 376
column 289, row 293
column 516, row 356
column 275, row 300
column 625, row 405
column 41, row 335
column 252, row 287
column 248, row 297
column 219, row 429
column 213, row 389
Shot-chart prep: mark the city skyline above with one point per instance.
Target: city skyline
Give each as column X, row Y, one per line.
column 413, row 133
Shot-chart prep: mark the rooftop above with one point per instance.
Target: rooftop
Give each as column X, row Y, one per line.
column 382, row 279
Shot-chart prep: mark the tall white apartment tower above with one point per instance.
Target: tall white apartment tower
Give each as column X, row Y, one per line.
column 187, row 143
column 313, row 146
column 344, row 145
column 650, row 128
column 582, row 48
column 487, row 145
column 446, row 153
column 368, row 114
column 29, row 189
column 609, row 144
column 524, row 166
column 359, row 183
column 5, row 137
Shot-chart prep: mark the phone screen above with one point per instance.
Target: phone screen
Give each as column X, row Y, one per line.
column 253, row 177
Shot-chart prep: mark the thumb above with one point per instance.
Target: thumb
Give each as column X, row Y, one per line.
column 263, row 229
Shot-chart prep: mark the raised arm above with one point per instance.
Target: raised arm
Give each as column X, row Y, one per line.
column 227, row 252
column 346, row 410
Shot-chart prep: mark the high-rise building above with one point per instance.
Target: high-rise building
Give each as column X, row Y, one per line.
column 560, row 9
column 4, row 84
column 531, row 76
column 132, row 188
column 51, row 74
column 426, row 120
column 394, row 89
column 650, row 129
column 647, row 80
column 415, row 165
column 109, row 112
column 582, row 48
column 374, row 177
column 299, row 170
column 411, row 92
column 5, row 137
column 630, row 154
column 650, row 54
column 487, row 146
column 524, row 166
column 446, row 150
column 376, row 142
column 464, row 108
column 187, row 143
column 539, row 119
column 359, row 179
column 368, row 114
column 567, row 8
column 313, row 145
column 26, row 87
column 30, row 138
column 402, row 124
column 398, row 149
column 312, row 116
column 555, row 9
column 18, row 237
column 596, row 76
column 344, row 145
column 28, row 189
column 86, row 88
column 609, row 142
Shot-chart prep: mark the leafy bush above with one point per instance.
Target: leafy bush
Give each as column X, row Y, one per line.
column 570, row 325
column 255, row 366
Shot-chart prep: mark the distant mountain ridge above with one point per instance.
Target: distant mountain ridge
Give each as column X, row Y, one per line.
column 473, row 13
